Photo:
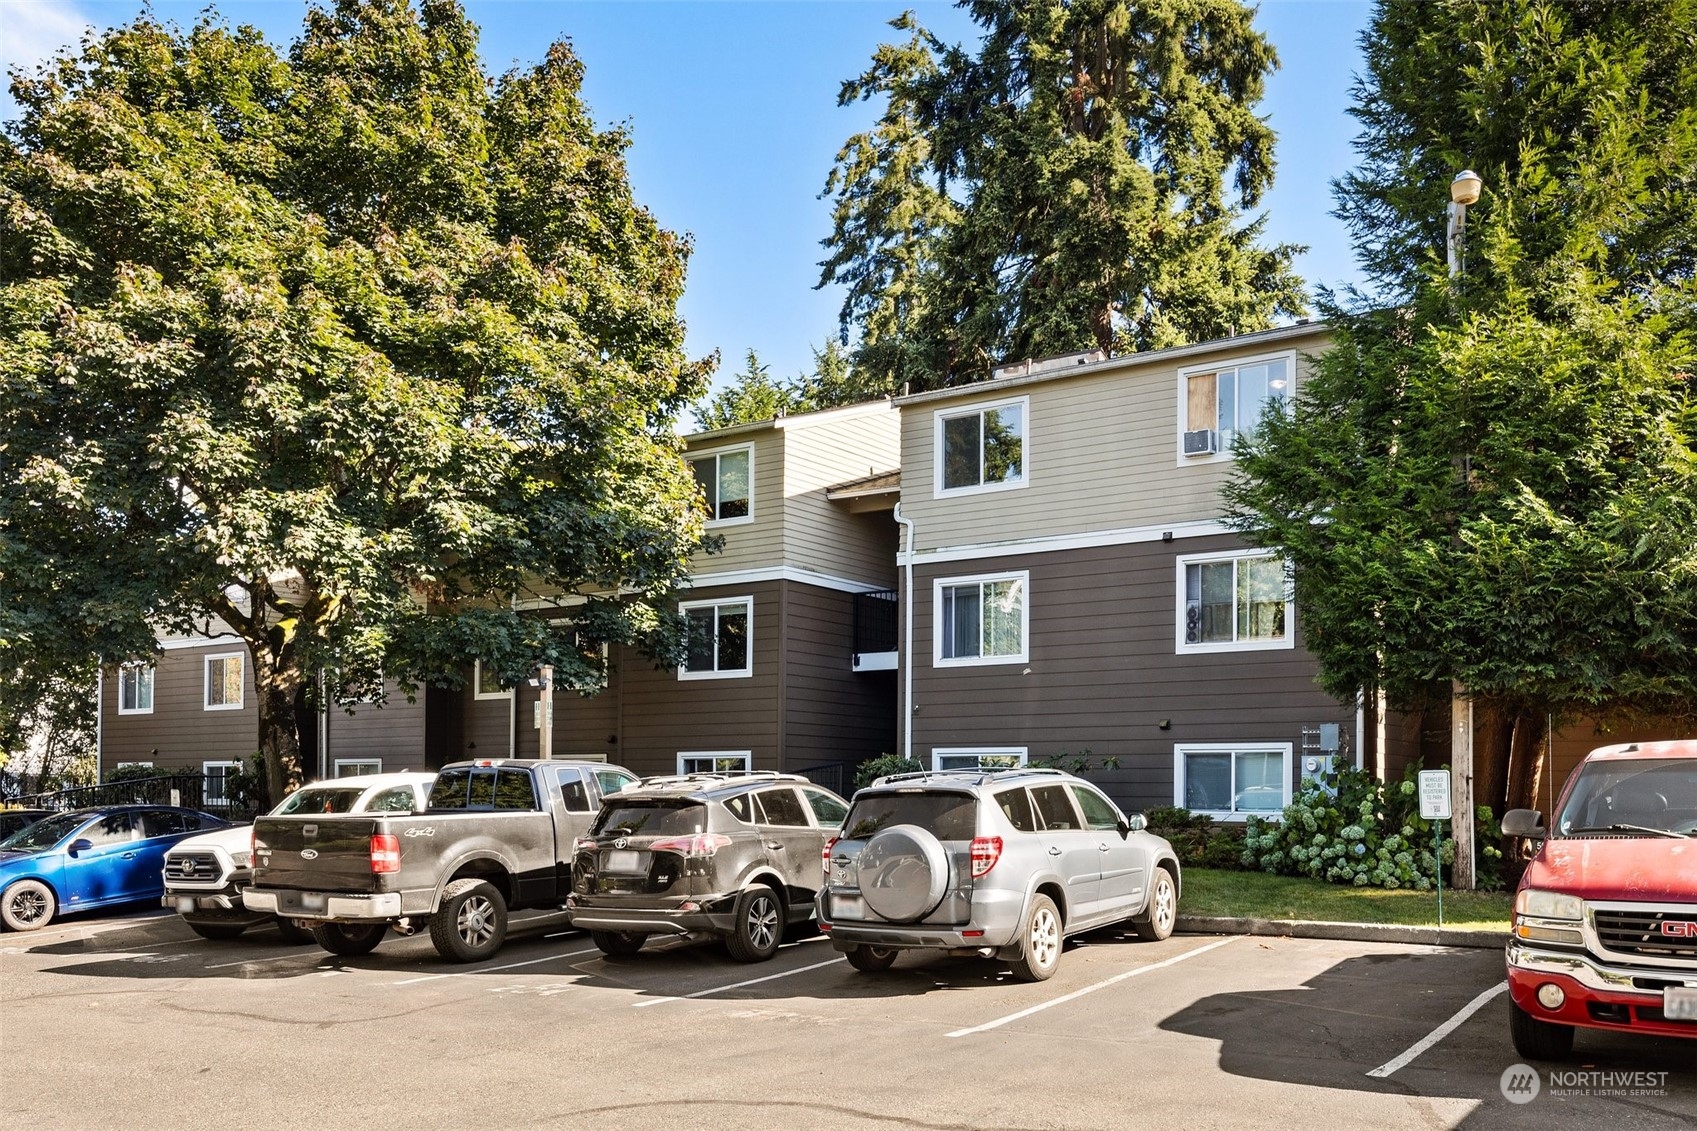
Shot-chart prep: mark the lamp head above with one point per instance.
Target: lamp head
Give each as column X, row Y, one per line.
column 1465, row 188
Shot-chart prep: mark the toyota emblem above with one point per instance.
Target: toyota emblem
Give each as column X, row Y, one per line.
column 621, row 842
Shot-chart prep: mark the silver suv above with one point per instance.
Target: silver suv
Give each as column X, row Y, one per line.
column 731, row 855
column 1002, row 864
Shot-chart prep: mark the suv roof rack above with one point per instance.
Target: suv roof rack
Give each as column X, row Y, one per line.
column 714, row 777
column 979, row 775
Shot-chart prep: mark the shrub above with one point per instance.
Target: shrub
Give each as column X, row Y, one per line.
column 1197, row 839
column 135, row 772
column 874, row 768
column 1351, row 829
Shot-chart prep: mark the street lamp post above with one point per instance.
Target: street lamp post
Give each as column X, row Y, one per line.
column 1464, row 190
column 545, row 711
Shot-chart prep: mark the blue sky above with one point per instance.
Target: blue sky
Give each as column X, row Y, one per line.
column 732, row 110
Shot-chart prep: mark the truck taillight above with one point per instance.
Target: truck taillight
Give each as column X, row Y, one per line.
column 986, row 850
column 701, row 844
column 825, row 856
column 385, row 853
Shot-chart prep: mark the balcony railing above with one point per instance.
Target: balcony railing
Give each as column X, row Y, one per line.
column 875, row 630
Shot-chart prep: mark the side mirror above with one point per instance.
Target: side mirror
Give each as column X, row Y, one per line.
column 1524, row 822
column 1135, row 823
column 81, row 844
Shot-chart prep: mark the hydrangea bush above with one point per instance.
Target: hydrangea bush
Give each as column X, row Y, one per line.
column 1351, row 829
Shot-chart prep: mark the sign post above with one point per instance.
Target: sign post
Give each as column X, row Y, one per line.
column 1435, row 807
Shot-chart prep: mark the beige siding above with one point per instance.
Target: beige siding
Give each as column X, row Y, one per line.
column 1102, row 674
column 820, row 451
column 180, row 733
column 1101, row 454
column 749, row 545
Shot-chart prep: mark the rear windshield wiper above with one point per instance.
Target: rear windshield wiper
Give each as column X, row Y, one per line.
column 1626, row 829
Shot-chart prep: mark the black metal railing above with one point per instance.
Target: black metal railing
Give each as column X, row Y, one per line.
column 832, row 776
column 189, row 790
column 875, row 620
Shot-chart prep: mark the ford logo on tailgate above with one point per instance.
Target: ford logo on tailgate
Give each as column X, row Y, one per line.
column 309, row 854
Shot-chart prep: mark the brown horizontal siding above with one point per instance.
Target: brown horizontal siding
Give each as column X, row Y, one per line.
column 832, row 714
column 393, row 733
column 1102, row 673
column 180, row 733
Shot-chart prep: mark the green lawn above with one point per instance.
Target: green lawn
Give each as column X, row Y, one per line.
column 1260, row 896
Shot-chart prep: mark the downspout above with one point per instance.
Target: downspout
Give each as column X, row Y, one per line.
column 906, row 560
column 99, row 724
column 323, row 730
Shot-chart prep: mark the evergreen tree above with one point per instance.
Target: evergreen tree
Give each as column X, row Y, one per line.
column 1077, row 183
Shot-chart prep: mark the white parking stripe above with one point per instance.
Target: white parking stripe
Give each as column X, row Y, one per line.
column 737, row 985
column 492, row 969
column 1439, row 1033
column 273, row 958
column 1000, row 1021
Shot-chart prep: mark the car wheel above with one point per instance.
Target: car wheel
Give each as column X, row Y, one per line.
column 758, row 925
column 293, row 933
column 1039, row 942
column 871, row 959
column 1157, row 920
column 1536, row 1039
column 470, row 924
column 217, row 932
column 28, row 905
column 618, row 944
column 349, row 939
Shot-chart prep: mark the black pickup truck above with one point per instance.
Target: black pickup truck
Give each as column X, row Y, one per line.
column 497, row 836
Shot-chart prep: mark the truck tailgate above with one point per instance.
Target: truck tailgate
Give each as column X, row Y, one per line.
column 316, row 853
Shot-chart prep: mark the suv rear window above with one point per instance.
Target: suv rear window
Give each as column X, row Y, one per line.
column 947, row 816
column 651, row 818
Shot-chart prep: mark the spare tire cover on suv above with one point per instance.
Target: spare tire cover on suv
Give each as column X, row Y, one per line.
column 904, row 873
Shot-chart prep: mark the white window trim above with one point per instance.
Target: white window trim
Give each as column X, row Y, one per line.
column 477, row 691
column 1183, row 401
column 206, row 769
column 139, row 669
column 938, row 753
column 206, row 683
column 941, row 415
column 747, row 757
column 937, row 586
column 714, row 453
column 375, row 762
column 745, row 672
column 1284, row 749
column 1180, row 647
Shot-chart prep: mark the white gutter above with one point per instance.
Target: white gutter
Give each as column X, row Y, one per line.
column 100, row 724
column 906, row 560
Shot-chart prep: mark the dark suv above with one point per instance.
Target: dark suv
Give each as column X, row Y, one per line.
column 731, row 855
column 1004, row 864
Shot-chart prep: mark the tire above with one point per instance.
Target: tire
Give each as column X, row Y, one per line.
column 903, row 873
column 349, row 939
column 758, row 925
column 217, row 932
column 293, row 933
column 1157, row 920
column 1039, row 941
column 28, row 905
column 470, row 923
column 1535, row 1039
column 617, row 944
column 871, row 959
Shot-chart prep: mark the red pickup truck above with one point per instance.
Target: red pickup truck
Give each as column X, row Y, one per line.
column 1605, row 919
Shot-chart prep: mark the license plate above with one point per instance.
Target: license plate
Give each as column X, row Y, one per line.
column 312, row 901
column 1679, row 1004
column 185, row 904
column 624, row 860
column 848, row 907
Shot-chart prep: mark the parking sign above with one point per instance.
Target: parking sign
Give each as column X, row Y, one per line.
column 1435, row 795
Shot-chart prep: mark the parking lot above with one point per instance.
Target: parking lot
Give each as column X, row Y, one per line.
column 117, row 1020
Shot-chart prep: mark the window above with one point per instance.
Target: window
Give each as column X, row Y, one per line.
column 163, row 822
column 1016, row 806
column 781, row 807
column 218, row 776
column 828, row 809
column 354, row 767
column 487, row 684
column 400, row 799
column 135, row 689
column 574, row 793
column 726, row 479
column 1232, row 602
column 977, row 758
column 224, row 682
column 1054, row 808
column 113, row 828
column 717, row 638
column 981, row 448
column 611, row 781
column 1099, row 812
column 1226, row 779
column 1218, row 403
column 981, row 620
column 713, row 761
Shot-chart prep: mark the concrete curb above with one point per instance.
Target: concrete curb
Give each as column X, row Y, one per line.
column 1358, row 932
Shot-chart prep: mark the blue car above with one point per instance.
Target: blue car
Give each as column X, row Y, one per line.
column 90, row 858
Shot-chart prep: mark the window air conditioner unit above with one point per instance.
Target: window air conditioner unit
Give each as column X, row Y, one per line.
column 1200, row 442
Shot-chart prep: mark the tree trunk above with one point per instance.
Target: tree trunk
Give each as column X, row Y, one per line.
column 1529, row 763
column 278, row 683
column 1491, row 756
